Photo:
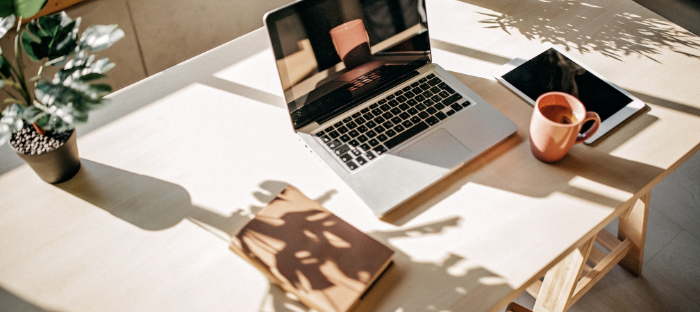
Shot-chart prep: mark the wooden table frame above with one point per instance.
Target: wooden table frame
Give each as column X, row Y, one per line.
column 572, row 277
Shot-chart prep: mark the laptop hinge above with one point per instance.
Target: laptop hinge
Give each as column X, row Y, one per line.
column 387, row 86
column 309, row 128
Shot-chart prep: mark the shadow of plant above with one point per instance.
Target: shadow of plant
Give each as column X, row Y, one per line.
column 396, row 288
column 304, row 247
column 152, row 204
column 612, row 32
column 12, row 302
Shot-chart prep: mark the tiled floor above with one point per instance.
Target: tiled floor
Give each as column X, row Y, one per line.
column 162, row 33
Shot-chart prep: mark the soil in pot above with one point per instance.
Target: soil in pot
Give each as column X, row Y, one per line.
column 29, row 142
column 53, row 156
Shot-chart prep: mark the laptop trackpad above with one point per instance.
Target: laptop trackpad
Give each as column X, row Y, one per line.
column 440, row 149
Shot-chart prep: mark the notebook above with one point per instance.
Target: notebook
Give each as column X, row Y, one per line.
column 363, row 94
column 308, row 251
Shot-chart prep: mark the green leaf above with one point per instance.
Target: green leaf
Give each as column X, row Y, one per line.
column 100, row 90
column 67, row 114
column 24, row 8
column 69, row 102
column 45, row 93
column 6, row 23
column 65, row 39
column 43, row 122
column 28, row 8
column 5, row 133
column 66, row 73
column 78, row 59
column 81, row 67
column 7, row 8
column 102, row 65
column 99, row 37
column 32, row 113
column 5, row 69
column 10, row 121
column 12, row 117
column 11, row 100
column 91, row 77
column 50, row 37
column 31, row 48
column 60, row 126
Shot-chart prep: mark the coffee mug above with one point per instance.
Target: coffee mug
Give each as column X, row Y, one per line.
column 352, row 43
column 555, row 125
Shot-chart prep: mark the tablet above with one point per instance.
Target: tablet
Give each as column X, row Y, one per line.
column 550, row 69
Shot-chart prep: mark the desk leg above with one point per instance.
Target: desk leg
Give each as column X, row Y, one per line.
column 634, row 227
column 560, row 281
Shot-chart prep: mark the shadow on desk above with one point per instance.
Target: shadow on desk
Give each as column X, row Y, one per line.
column 154, row 205
column 146, row 202
column 12, row 302
column 431, row 286
column 622, row 30
column 511, row 167
column 410, row 285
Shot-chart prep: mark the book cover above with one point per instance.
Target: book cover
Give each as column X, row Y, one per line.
column 310, row 252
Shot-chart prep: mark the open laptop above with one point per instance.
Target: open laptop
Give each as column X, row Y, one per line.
column 384, row 118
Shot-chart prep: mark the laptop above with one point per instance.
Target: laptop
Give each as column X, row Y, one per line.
column 364, row 95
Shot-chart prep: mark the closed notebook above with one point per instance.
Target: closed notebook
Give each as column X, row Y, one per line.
column 326, row 262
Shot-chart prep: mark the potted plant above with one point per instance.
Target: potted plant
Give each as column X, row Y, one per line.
column 39, row 112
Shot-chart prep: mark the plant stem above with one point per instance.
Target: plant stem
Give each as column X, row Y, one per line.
column 9, row 94
column 17, row 88
column 41, row 70
column 20, row 65
column 38, row 129
column 13, row 71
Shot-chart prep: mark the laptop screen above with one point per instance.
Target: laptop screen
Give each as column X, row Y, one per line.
column 333, row 54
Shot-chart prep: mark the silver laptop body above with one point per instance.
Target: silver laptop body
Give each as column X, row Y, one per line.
column 392, row 126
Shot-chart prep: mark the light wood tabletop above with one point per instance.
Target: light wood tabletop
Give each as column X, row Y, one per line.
column 146, row 223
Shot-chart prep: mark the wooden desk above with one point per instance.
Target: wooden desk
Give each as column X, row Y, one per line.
column 145, row 224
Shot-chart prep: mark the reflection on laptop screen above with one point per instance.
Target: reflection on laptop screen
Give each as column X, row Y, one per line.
column 333, row 53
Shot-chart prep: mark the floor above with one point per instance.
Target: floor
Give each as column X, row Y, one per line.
column 162, row 33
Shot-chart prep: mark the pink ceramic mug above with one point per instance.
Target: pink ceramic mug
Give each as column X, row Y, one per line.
column 555, row 125
column 352, row 43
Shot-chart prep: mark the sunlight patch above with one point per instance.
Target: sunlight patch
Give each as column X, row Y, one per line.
column 591, row 5
column 254, row 72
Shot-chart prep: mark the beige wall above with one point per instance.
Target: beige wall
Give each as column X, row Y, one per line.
column 158, row 34
column 162, row 33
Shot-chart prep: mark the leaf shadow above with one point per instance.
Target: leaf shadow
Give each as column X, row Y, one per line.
column 597, row 26
column 154, row 205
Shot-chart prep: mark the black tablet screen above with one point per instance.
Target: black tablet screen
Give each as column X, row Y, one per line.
column 552, row 71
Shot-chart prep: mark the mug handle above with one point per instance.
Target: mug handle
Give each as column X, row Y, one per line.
column 592, row 130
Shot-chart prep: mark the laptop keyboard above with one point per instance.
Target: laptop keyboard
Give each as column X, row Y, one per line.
column 360, row 138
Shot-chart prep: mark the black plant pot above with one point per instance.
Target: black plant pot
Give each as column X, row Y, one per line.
column 56, row 166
